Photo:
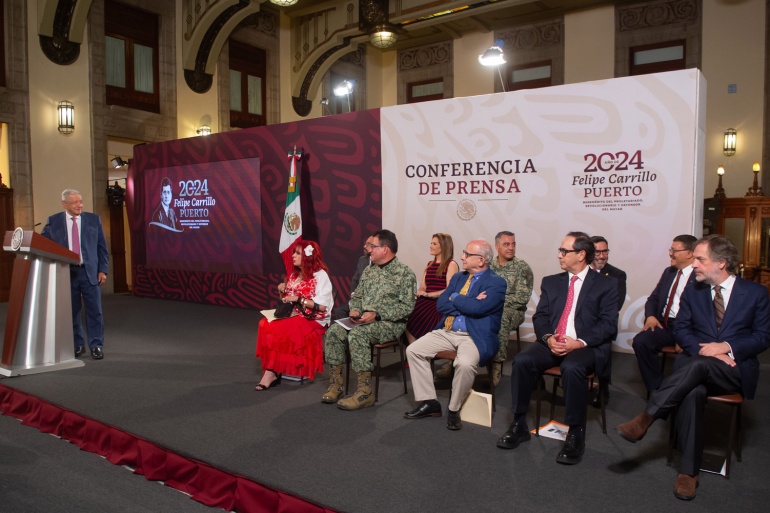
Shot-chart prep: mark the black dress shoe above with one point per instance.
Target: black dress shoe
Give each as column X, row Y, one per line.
column 97, row 353
column 573, row 449
column 80, row 351
column 514, row 436
column 453, row 420
column 430, row 408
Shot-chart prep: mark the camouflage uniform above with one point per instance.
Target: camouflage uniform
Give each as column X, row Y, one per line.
column 518, row 275
column 387, row 290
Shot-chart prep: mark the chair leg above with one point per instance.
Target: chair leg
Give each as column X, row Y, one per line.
column 377, row 376
column 739, row 436
column 731, row 437
column 671, row 437
column 347, row 368
column 490, row 370
column 539, row 392
column 553, row 398
column 403, row 365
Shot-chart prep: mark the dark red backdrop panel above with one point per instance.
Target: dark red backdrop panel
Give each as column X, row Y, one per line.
column 341, row 194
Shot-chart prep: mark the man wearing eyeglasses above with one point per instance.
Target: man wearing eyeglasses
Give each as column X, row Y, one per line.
column 471, row 306
column 518, row 275
column 601, row 265
column 379, row 309
column 661, row 309
column 575, row 321
column 363, row 262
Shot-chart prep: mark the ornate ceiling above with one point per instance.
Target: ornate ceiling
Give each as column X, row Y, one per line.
column 322, row 30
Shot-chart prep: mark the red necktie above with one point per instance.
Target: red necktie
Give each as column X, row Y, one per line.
column 671, row 298
column 561, row 328
column 75, row 236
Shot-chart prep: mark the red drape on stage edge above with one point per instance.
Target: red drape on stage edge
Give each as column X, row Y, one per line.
column 205, row 484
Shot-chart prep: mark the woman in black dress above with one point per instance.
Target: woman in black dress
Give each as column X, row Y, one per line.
column 435, row 279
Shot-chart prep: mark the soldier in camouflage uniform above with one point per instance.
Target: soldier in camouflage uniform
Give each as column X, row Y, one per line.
column 520, row 281
column 383, row 300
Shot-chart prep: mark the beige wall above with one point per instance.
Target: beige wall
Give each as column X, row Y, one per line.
column 589, row 45
column 58, row 161
column 193, row 109
column 470, row 77
column 733, row 53
column 381, row 78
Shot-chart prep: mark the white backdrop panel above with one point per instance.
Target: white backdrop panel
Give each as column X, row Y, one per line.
column 620, row 158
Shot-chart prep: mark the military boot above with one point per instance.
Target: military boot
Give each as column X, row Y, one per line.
column 334, row 392
column 363, row 396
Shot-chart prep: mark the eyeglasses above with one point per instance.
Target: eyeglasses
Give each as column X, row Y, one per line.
column 602, row 251
column 376, row 246
column 674, row 251
column 466, row 254
column 565, row 251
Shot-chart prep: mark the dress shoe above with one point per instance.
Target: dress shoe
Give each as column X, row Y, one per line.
column 685, row 487
column 516, row 434
column 80, row 351
column 453, row 420
column 430, row 408
column 97, row 353
column 574, row 446
column 635, row 429
column 596, row 400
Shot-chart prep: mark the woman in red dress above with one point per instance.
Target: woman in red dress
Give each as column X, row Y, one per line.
column 435, row 279
column 294, row 345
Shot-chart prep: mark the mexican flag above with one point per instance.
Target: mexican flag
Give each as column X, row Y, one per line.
column 291, row 230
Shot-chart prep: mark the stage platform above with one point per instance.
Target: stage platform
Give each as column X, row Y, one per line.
column 182, row 376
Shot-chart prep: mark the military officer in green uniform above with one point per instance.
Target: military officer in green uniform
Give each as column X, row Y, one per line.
column 379, row 309
column 518, row 275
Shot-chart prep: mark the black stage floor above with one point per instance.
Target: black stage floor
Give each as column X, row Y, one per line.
column 182, row 376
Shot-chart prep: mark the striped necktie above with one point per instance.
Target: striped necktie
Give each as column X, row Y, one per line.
column 719, row 306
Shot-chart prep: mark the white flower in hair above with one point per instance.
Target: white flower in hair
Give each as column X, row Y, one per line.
column 308, row 250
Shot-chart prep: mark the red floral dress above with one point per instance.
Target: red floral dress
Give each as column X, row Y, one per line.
column 294, row 345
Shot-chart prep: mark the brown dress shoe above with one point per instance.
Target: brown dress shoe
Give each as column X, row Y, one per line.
column 685, row 487
column 635, row 429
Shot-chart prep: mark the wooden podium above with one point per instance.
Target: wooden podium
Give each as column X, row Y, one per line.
column 38, row 330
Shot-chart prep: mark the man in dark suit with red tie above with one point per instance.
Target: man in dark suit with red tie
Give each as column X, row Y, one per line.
column 661, row 309
column 82, row 233
column 575, row 322
column 724, row 323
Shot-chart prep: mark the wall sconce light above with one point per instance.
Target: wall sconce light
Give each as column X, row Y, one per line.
column 66, row 117
column 383, row 37
column 344, row 88
column 729, row 144
column 493, row 56
column 755, row 190
column 204, row 130
column 720, row 192
column 118, row 162
column 284, row 3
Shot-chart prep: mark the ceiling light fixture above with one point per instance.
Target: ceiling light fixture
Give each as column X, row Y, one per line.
column 383, row 36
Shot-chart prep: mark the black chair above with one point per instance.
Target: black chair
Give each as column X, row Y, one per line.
column 734, row 436
column 451, row 355
column 376, row 353
column 555, row 373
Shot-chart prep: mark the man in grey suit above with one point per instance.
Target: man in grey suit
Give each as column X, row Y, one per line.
column 82, row 233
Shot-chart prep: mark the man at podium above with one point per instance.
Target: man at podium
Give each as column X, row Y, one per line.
column 83, row 234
